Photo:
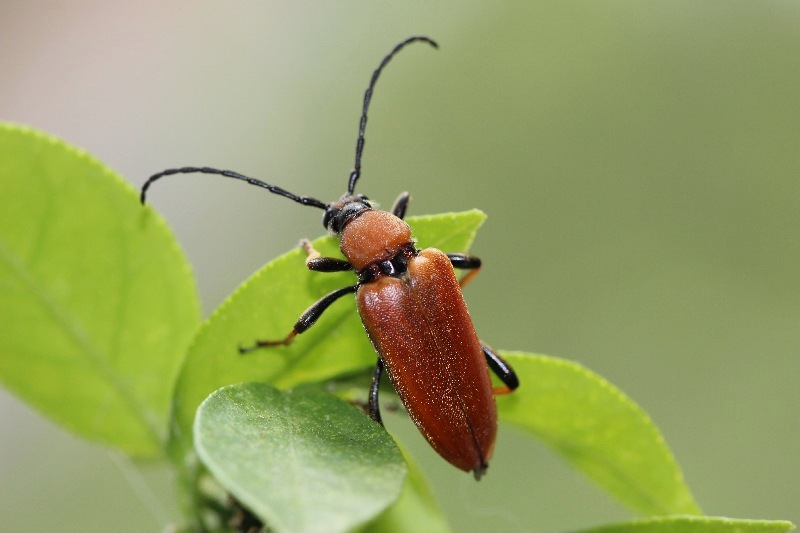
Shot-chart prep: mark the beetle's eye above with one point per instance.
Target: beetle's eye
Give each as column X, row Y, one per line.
column 327, row 218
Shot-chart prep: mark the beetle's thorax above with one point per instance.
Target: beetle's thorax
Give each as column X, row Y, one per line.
column 373, row 237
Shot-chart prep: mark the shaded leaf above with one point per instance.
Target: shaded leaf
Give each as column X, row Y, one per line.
column 599, row 430
column 266, row 307
column 301, row 460
column 97, row 303
column 416, row 510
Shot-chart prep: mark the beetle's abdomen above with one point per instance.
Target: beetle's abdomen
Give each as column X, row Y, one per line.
column 373, row 236
column 419, row 325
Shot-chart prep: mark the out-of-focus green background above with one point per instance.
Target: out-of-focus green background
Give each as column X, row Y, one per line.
column 639, row 162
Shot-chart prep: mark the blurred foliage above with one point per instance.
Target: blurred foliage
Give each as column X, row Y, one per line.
column 300, row 460
column 98, row 302
column 638, row 162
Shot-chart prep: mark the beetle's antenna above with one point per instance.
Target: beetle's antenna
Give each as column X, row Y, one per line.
column 305, row 200
column 356, row 173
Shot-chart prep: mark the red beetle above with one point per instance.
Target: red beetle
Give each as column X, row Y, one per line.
column 412, row 308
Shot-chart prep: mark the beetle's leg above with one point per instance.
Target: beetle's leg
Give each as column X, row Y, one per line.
column 318, row 263
column 305, row 321
column 465, row 261
column 469, row 262
column 374, row 407
column 502, row 370
column 400, row 205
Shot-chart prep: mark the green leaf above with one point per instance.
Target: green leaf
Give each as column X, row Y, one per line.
column 266, row 307
column 97, row 303
column 599, row 430
column 416, row 510
column 695, row 524
column 301, row 460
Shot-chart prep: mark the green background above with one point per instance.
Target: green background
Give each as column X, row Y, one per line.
column 639, row 163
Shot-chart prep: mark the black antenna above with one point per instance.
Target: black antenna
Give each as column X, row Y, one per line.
column 356, row 173
column 305, row 200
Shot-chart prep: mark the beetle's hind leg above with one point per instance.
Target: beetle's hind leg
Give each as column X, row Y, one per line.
column 502, row 370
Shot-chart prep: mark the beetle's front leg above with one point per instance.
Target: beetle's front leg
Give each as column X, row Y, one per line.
column 400, row 205
column 317, row 263
column 305, row 321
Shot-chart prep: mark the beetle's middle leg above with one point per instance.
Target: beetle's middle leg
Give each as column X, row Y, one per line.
column 306, row 320
column 467, row 262
column 318, row 263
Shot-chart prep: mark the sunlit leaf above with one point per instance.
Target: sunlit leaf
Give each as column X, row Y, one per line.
column 599, row 430
column 97, row 303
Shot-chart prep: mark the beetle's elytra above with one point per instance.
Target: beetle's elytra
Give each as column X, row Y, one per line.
column 412, row 308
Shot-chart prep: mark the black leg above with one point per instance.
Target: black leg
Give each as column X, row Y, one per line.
column 374, row 407
column 502, row 370
column 328, row 264
column 306, row 320
column 467, row 262
column 400, row 205
column 318, row 263
column 464, row 261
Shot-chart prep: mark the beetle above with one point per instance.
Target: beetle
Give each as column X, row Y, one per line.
column 412, row 309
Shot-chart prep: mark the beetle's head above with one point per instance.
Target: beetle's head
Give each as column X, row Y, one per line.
column 338, row 214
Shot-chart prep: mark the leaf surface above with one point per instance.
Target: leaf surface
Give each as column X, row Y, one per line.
column 417, row 508
column 97, row 302
column 602, row 432
column 695, row 524
column 301, row 460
